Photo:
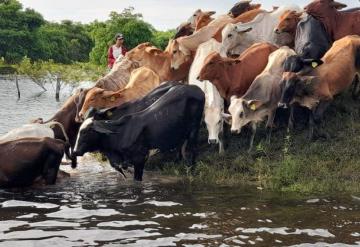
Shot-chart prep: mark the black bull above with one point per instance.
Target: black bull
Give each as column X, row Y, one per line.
column 172, row 122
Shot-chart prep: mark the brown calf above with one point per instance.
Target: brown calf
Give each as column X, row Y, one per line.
column 234, row 76
column 160, row 62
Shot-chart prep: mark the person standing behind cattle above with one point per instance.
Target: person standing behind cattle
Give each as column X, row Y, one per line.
column 116, row 50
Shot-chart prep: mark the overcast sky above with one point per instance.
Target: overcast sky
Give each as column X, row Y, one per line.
column 162, row 14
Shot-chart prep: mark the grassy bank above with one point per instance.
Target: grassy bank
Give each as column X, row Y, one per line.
column 290, row 163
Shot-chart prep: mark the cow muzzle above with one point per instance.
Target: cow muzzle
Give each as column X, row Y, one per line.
column 235, row 131
column 213, row 141
column 283, row 105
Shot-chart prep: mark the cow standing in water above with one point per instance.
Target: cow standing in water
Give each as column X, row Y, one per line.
column 23, row 160
column 172, row 122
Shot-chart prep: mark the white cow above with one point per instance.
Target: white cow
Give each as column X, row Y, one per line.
column 33, row 130
column 214, row 104
column 239, row 37
column 262, row 98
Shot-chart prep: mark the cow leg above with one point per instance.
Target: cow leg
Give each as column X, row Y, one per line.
column 318, row 116
column 139, row 170
column 291, row 124
column 221, row 143
column 269, row 126
column 253, row 132
column 51, row 168
column 356, row 87
column 311, row 126
column 190, row 148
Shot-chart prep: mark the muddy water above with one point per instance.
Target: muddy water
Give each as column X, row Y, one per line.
column 97, row 207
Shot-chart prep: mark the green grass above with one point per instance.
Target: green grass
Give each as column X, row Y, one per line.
column 291, row 162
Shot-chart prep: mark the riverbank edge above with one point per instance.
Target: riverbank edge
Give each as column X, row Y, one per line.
column 291, row 162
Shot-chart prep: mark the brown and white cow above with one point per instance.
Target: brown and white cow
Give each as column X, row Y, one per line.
column 263, row 96
column 316, row 88
column 142, row 81
column 234, row 76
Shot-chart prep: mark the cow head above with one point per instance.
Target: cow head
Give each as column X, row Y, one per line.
column 185, row 29
column 179, row 54
column 242, row 112
column 322, row 8
column 141, row 52
column 232, row 36
column 88, row 138
column 99, row 98
column 203, row 19
column 295, row 85
column 210, row 70
column 214, row 123
column 242, row 7
column 288, row 22
column 193, row 17
column 296, row 63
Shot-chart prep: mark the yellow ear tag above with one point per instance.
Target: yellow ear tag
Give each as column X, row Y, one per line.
column 109, row 113
column 112, row 99
column 314, row 64
column 253, row 107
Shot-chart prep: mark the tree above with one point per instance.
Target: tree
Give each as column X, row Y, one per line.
column 128, row 23
column 161, row 39
column 16, row 26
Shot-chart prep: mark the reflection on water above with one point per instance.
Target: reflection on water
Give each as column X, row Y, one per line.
column 97, row 207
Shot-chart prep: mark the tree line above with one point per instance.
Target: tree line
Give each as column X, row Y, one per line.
column 25, row 33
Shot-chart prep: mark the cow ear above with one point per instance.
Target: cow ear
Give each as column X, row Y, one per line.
column 244, row 30
column 227, row 117
column 254, row 104
column 210, row 13
column 313, row 62
column 337, row 5
column 101, row 128
column 184, row 50
column 153, row 50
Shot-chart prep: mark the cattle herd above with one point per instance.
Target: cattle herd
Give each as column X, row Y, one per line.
column 238, row 69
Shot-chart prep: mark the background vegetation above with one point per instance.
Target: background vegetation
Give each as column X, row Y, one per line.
column 25, row 33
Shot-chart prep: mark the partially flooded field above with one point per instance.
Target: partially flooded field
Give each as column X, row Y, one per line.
column 95, row 206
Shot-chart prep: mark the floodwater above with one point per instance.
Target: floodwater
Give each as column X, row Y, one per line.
column 95, row 206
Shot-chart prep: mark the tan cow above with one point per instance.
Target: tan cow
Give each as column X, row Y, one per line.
column 142, row 81
column 159, row 61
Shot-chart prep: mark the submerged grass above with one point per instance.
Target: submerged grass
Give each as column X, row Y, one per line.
column 291, row 162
